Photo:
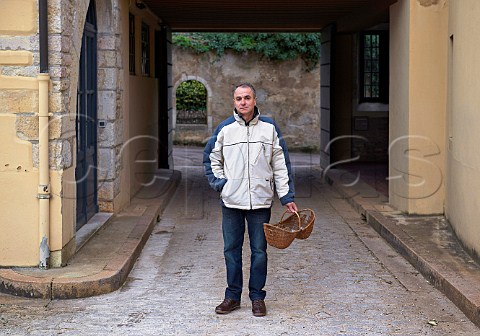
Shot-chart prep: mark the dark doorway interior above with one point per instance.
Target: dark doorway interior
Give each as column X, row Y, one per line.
column 163, row 67
column 86, row 123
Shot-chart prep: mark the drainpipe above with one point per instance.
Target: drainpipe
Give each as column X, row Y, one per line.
column 43, row 161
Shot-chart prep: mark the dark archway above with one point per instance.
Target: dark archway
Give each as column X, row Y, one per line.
column 86, row 123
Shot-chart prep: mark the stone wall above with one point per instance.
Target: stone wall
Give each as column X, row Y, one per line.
column 285, row 91
column 66, row 21
column 19, row 67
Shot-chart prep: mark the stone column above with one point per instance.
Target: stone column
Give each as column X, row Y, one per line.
column 418, row 63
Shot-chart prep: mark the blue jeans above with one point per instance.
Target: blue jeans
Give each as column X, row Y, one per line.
column 233, row 227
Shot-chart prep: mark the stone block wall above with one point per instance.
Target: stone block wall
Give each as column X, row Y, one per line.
column 66, row 22
column 19, row 64
column 285, row 91
column 19, row 67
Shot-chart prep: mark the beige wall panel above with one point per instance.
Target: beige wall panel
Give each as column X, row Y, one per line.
column 18, row 17
column 399, row 100
column 418, row 59
column 427, row 107
column 463, row 160
column 18, row 83
column 62, row 208
column 8, row 57
column 19, row 224
column 142, row 143
column 18, row 101
column 18, row 201
column 68, row 196
column 16, row 154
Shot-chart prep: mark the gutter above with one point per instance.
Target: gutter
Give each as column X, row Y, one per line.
column 43, row 159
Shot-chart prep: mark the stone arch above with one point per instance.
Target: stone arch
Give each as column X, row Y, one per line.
column 109, row 87
column 185, row 78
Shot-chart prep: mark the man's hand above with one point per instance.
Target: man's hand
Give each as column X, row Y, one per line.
column 291, row 207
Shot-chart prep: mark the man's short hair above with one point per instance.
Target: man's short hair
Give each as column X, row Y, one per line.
column 245, row 85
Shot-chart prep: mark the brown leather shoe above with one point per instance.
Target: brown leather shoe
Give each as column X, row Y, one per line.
column 227, row 306
column 259, row 308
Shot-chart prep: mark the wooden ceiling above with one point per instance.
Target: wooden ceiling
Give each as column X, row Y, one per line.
column 268, row 15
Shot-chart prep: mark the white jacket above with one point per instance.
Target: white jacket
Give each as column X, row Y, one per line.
column 247, row 161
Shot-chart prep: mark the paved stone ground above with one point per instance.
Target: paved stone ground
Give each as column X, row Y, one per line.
column 343, row 280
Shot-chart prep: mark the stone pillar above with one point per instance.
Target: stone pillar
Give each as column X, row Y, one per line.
column 112, row 24
column 325, row 94
column 418, row 63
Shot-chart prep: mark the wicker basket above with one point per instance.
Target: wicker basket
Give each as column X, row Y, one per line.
column 282, row 234
column 307, row 219
column 298, row 225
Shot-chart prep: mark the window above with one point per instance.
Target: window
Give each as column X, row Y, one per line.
column 145, row 49
column 131, row 44
column 374, row 67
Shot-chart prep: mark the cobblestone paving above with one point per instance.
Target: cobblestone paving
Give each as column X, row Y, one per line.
column 343, row 280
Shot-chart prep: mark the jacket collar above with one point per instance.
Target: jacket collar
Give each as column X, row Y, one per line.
column 256, row 115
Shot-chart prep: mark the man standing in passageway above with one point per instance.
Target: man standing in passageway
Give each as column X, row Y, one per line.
column 245, row 160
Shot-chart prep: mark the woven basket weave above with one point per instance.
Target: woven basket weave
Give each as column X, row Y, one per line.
column 298, row 225
column 307, row 219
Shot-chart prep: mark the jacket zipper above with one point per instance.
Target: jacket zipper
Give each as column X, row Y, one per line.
column 248, row 165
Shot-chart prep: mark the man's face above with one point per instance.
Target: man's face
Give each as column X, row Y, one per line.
column 245, row 101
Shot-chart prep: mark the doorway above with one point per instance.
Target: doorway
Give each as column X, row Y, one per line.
column 86, row 123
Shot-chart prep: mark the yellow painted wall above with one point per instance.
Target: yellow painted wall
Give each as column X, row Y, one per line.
column 143, row 121
column 428, row 101
column 20, row 57
column 18, row 198
column 18, row 17
column 142, row 118
column 19, row 241
column 418, row 106
column 62, row 205
column 18, row 176
column 463, row 137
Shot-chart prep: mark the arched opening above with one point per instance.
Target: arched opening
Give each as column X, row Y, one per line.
column 86, row 123
column 191, row 103
column 191, row 115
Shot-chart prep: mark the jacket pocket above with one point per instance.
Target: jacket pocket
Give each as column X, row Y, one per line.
column 261, row 151
column 261, row 165
column 234, row 192
column 263, row 154
column 262, row 191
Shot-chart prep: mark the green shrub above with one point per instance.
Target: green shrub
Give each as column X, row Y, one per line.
column 191, row 96
column 272, row 46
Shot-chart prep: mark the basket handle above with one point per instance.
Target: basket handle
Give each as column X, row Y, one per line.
column 298, row 216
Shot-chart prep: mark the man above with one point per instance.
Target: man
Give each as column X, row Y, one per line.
column 245, row 159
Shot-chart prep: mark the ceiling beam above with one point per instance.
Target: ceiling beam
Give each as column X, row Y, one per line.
column 374, row 13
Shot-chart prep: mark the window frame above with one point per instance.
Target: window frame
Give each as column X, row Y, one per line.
column 145, row 56
column 131, row 44
column 383, row 67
